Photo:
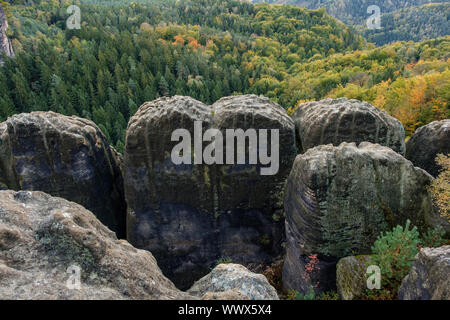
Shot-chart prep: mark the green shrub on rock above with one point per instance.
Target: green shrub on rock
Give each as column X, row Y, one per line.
column 433, row 238
column 394, row 252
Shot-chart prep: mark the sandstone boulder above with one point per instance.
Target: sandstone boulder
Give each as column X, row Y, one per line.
column 339, row 199
column 333, row 121
column 190, row 215
column 243, row 186
column 236, row 277
column 46, row 242
column 428, row 278
column 426, row 143
column 351, row 281
column 67, row 157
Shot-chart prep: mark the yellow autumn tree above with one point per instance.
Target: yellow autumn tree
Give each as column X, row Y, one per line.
column 440, row 187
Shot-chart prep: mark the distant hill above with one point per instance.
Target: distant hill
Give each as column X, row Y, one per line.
column 401, row 20
column 417, row 24
column 354, row 11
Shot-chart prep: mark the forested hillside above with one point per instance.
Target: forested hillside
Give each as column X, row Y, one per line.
column 353, row 11
column 411, row 81
column 416, row 24
column 414, row 20
column 128, row 52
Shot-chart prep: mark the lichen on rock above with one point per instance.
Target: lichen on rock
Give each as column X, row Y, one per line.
column 351, row 280
column 42, row 237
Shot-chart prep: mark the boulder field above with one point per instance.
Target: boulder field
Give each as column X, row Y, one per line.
column 349, row 183
column 44, row 239
column 51, row 248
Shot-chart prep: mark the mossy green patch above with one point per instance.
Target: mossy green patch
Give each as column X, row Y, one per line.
column 61, row 247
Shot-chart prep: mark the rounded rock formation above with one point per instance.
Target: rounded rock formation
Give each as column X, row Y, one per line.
column 333, row 121
column 235, row 277
column 351, row 279
column 426, row 143
column 67, row 157
column 339, row 199
column 242, row 185
column 53, row 249
column 189, row 215
column 428, row 278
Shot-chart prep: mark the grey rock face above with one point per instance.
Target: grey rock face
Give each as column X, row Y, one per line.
column 351, row 279
column 240, row 186
column 235, row 277
column 426, row 143
column 42, row 237
column 225, row 295
column 5, row 43
column 66, row 157
column 428, row 278
column 333, row 121
column 191, row 215
column 339, row 199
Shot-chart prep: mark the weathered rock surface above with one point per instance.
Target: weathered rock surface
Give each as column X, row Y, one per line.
column 429, row 277
column 67, row 157
column 243, row 186
column 339, row 199
column 236, row 277
column 351, row 279
column 5, row 43
column 168, row 205
column 42, row 236
column 333, row 121
column 426, row 143
column 233, row 294
column 191, row 215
